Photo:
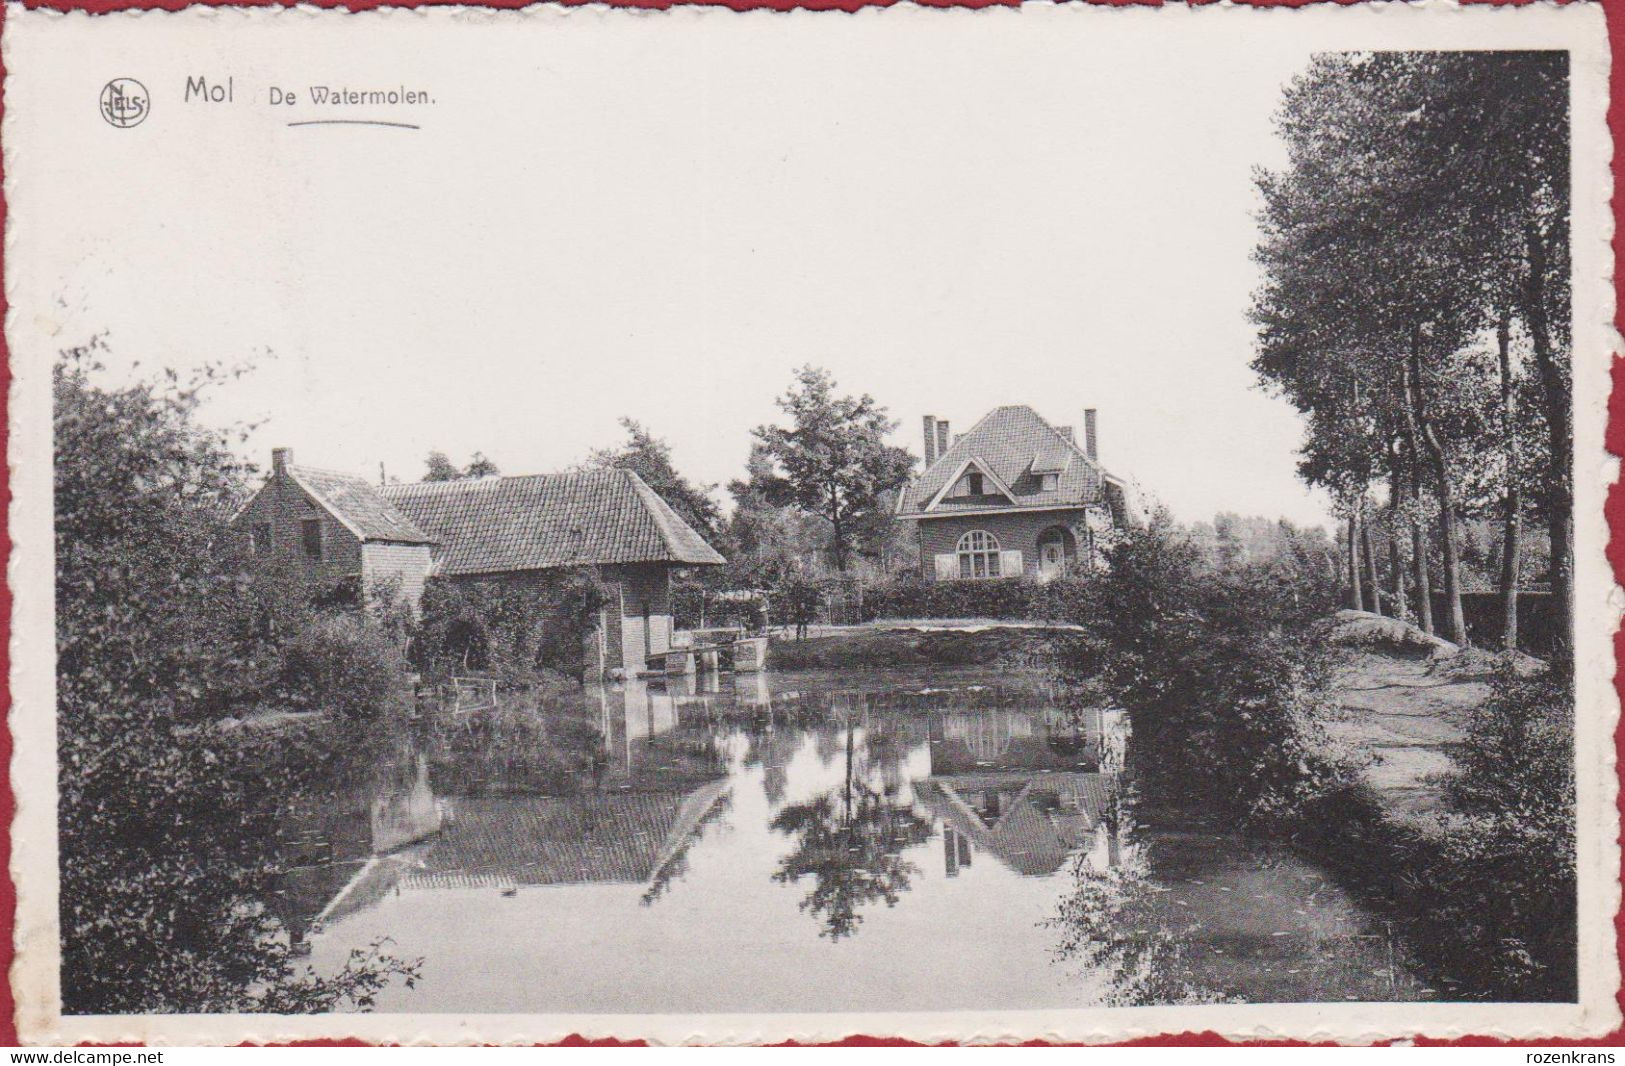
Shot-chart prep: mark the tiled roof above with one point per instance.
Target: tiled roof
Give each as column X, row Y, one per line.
column 498, row 524
column 1014, row 444
column 537, row 840
column 358, row 505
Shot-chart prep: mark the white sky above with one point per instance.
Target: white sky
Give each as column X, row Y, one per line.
column 661, row 217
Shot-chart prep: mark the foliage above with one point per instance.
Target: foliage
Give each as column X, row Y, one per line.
column 650, row 458
column 512, row 629
column 167, row 825
column 343, row 664
column 1514, row 790
column 439, row 468
column 850, row 842
column 1222, row 680
column 1110, row 923
column 1063, row 599
column 1422, row 219
column 832, row 461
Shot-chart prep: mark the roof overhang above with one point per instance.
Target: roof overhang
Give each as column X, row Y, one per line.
column 914, row 516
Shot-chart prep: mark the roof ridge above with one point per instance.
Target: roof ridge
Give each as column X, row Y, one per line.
column 329, row 471
column 497, row 479
column 659, row 510
column 1068, row 441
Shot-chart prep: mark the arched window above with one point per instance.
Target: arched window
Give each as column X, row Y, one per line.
column 978, row 554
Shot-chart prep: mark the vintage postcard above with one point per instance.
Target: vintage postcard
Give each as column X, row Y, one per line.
column 1048, row 522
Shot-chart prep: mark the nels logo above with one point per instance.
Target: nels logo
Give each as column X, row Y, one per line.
column 124, row 103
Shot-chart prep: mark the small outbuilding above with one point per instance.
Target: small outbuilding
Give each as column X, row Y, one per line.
column 334, row 527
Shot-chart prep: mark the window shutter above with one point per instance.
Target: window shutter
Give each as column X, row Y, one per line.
column 947, row 566
column 1010, row 564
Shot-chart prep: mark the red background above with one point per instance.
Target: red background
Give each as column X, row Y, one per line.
column 1615, row 507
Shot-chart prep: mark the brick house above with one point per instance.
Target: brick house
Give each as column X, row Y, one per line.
column 337, row 527
column 1013, row 497
column 333, row 527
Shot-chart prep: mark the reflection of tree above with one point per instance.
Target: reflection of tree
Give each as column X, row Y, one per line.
column 1111, row 924
column 850, row 841
column 886, row 743
column 772, row 747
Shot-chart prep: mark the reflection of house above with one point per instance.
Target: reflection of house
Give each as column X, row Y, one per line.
column 617, row 837
column 511, row 841
column 1030, row 822
column 1013, row 496
column 657, row 734
column 510, row 529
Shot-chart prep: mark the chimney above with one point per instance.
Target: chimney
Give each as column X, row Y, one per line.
column 1066, row 431
column 942, row 437
column 1089, row 434
column 281, row 459
column 930, row 440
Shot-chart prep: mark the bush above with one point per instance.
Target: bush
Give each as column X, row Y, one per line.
column 1020, row 599
column 1515, row 795
column 343, row 664
column 167, row 826
column 1222, row 676
column 511, row 629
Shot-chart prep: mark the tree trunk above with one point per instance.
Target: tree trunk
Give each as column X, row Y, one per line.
column 1512, row 533
column 1420, row 575
column 1396, row 567
column 1440, row 461
column 1356, row 597
column 838, row 533
column 1419, row 562
column 1371, row 580
column 1559, row 487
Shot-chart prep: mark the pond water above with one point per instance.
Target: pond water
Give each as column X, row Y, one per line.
column 806, row 842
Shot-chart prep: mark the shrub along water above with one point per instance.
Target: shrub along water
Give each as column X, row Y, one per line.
column 515, row 632
column 168, row 823
column 1228, row 684
column 1488, row 895
column 1224, row 684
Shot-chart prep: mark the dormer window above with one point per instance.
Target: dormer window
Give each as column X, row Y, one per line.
column 1049, row 482
column 973, row 483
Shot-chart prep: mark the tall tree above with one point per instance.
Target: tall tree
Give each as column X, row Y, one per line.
column 1422, row 188
column 832, row 460
column 650, row 458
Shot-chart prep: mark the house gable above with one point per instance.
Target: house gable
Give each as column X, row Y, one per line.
column 285, row 522
column 1033, row 465
column 974, row 483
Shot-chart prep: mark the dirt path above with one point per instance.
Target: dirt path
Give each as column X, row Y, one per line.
column 1407, row 711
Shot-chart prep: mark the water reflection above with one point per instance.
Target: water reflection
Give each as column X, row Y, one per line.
column 850, row 841
column 814, row 841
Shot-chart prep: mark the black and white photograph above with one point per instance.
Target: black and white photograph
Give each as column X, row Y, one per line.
column 725, row 527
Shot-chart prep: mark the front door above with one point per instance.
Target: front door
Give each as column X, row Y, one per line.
column 1051, row 559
